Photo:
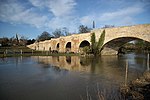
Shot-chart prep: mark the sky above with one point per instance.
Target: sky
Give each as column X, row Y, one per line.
column 30, row 18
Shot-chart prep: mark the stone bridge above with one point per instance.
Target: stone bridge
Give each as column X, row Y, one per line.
column 114, row 39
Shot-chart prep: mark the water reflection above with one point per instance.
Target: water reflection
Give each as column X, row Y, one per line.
column 65, row 77
column 108, row 71
column 111, row 67
column 68, row 59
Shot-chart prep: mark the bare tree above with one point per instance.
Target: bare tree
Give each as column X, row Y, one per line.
column 23, row 41
column 4, row 41
column 84, row 29
column 65, row 31
column 44, row 36
column 57, row 33
column 108, row 26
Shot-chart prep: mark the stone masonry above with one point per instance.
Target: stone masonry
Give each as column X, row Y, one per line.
column 59, row 44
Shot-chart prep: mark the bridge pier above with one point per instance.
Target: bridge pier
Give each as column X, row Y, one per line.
column 109, row 51
column 62, row 43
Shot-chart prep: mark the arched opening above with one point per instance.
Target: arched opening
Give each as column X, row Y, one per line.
column 57, row 47
column 68, row 47
column 84, row 46
column 84, row 43
column 123, row 45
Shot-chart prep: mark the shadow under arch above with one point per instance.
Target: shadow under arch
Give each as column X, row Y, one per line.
column 117, row 43
column 68, row 47
column 57, row 47
column 83, row 44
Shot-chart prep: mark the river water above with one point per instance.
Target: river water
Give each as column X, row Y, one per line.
column 67, row 78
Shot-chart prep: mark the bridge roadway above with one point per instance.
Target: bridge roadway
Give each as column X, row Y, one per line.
column 114, row 39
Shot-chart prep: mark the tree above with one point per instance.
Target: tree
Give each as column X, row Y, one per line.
column 108, row 26
column 23, row 41
column 101, row 40
column 93, row 42
column 4, row 41
column 14, row 40
column 65, row 31
column 96, row 47
column 17, row 39
column 30, row 41
column 57, row 33
column 84, row 29
column 44, row 36
column 93, row 24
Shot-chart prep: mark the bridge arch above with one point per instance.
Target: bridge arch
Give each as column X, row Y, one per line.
column 57, row 47
column 128, row 38
column 115, row 44
column 83, row 44
column 68, row 47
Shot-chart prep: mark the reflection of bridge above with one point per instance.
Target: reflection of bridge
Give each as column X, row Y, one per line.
column 77, row 63
column 114, row 38
column 73, row 63
column 109, row 66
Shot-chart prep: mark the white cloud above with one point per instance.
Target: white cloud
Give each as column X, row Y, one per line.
column 87, row 20
column 59, row 22
column 61, row 7
column 52, row 14
column 127, row 21
column 56, row 7
column 7, row 10
column 122, row 16
column 15, row 13
column 121, row 13
column 64, row 16
column 61, row 13
column 38, row 3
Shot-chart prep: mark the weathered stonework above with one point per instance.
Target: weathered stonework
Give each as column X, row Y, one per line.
column 137, row 31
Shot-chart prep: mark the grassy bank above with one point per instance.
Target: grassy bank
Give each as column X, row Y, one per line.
column 25, row 51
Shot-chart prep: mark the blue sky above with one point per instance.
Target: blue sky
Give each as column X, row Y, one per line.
column 30, row 18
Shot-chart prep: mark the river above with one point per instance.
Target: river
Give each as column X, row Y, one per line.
column 67, row 78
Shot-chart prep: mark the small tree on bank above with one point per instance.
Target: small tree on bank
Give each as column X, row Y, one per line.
column 93, row 42
column 101, row 41
column 96, row 47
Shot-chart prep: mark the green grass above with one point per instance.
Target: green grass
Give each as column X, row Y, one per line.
column 16, row 51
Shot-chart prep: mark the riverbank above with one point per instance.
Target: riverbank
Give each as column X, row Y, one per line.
column 138, row 89
column 15, row 51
